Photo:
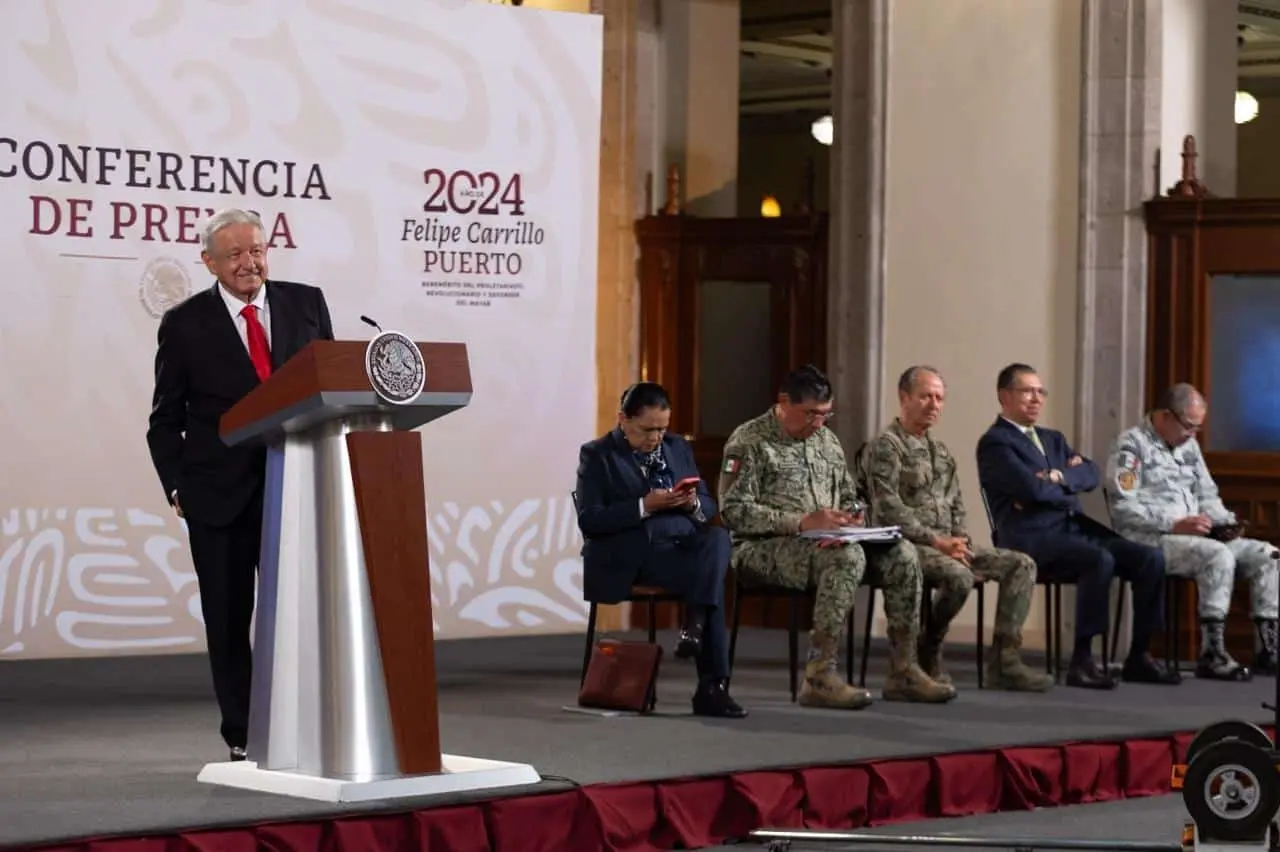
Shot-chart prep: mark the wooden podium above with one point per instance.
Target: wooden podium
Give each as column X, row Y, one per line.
column 344, row 681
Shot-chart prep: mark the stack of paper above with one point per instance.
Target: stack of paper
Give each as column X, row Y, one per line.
column 857, row 533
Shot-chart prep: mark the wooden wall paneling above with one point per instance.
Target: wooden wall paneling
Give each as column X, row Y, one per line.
column 677, row 253
column 1193, row 237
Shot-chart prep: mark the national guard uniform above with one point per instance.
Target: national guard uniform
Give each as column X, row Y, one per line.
column 1150, row 487
column 769, row 482
column 912, row 483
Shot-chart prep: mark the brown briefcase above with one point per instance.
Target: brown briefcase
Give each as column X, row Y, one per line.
column 621, row 676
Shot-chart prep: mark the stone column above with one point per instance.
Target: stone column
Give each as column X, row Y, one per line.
column 616, row 293
column 622, row 177
column 1120, row 141
column 856, row 256
column 1153, row 71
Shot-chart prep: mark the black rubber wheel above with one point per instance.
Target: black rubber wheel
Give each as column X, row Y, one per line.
column 1229, row 729
column 1232, row 791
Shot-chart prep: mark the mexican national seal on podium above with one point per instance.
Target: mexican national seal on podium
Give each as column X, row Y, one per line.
column 395, row 367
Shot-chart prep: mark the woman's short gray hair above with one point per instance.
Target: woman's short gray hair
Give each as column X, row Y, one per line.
column 225, row 219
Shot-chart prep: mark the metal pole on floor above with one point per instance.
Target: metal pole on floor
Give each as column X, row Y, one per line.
column 782, row 839
column 1275, row 707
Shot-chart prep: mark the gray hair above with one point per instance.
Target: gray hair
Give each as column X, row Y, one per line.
column 907, row 381
column 1179, row 398
column 225, row 219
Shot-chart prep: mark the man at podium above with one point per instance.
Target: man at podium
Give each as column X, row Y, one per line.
column 212, row 350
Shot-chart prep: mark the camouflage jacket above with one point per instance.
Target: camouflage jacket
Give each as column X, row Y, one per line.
column 912, row 483
column 769, row 481
column 1150, row 485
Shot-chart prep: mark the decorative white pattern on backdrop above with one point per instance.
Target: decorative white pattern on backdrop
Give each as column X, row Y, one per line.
column 431, row 165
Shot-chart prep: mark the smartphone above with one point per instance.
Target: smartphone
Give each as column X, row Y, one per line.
column 688, row 483
column 1225, row 532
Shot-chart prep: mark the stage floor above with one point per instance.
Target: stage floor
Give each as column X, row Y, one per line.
column 113, row 746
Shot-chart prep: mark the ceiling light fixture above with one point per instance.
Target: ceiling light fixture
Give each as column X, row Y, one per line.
column 823, row 129
column 1246, row 107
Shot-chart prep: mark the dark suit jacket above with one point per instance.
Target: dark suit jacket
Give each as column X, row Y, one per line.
column 610, row 488
column 1024, row 507
column 202, row 370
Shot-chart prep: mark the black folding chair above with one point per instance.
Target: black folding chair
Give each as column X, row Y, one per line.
column 794, row 598
column 650, row 595
column 1052, row 608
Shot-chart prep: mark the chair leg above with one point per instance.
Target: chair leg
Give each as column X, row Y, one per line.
column 866, row 635
column 848, row 645
column 793, row 641
column 1115, row 624
column 1106, row 651
column 591, row 635
column 737, row 621
column 1048, row 630
column 982, row 619
column 1173, row 636
column 1057, row 633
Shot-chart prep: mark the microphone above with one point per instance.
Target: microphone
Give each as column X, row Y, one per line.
column 367, row 321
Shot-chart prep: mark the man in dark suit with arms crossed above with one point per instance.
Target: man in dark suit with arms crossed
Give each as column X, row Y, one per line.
column 642, row 526
column 213, row 349
column 1031, row 477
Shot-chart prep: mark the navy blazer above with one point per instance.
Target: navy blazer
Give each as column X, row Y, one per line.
column 1023, row 506
column 610, row 488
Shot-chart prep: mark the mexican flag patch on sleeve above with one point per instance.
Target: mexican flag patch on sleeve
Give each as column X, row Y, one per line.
column 731, row 464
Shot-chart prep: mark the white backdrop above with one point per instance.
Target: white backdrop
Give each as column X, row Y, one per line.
column 433, row 165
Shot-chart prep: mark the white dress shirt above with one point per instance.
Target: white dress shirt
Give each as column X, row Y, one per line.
column 235, row 306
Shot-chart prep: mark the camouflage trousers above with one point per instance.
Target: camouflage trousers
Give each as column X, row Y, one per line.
column 1214, row 565
column 835, row 574
column 952, row 581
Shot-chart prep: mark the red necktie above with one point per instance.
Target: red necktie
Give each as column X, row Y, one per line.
column 259, row 351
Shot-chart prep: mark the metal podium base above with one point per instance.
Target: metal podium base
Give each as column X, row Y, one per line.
column 460, row 775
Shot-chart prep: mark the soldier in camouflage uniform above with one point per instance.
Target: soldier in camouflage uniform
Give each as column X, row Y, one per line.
column 784, row 472
column 1161, row 493
column 912, row 482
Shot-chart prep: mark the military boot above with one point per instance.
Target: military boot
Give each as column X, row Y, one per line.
column 1215, row 663
column 906, row 680
column 1268, row 655
column 929, row 653
column 823, row 687
column 1006, row 670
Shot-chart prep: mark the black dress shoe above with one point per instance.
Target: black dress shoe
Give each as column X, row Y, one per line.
column 713, row 699
column 1143, row 669
column 239, row 753
column 689, row 643
column 1087, row 674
